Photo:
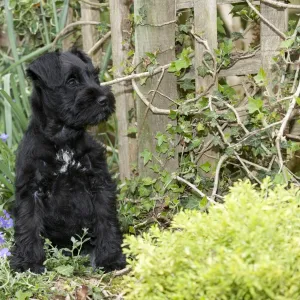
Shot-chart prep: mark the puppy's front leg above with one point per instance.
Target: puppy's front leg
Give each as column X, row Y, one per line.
column 107, row 238
column 28, row 252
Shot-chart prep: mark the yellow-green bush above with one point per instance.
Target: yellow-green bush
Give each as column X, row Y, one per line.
column 247, row 248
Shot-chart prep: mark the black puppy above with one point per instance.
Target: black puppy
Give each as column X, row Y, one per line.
column 62, row 180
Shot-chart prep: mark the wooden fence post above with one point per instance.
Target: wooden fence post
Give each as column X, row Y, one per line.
column 120, row 35
column 269, row 39
column 155, row 32
column 67, row 42
column 89, row 32
column 206, row 27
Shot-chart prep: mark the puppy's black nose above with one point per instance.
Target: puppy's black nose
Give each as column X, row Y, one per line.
column 102, row 100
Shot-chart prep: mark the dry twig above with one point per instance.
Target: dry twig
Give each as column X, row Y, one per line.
column 98, row 5
column 153, row 108
column 99, row 43
column 194, row 188
column 217, row 175
column 68, row 27
column 281, row 4
column 136, row 76
column 284, row 124
column 281, row 34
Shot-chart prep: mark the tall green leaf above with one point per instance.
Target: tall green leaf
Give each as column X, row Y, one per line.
column 16, row 109
column 7, row 110
column 13, row 45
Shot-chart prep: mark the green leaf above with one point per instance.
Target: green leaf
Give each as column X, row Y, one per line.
column 187, row 84
column 161, row 138
column 147, row 155
column 23, row 295
column 200, row 127
column 254, row 104
column 16, row 109
column 220, row 27
column 202, row 71
column 143, row 191
column 236, row 36
column 261, row 77
column 163, row 148
column 182, row 62
column 173, row 115
column 298, row 100
column 206, row 167
column 155, row 168
column 148, row 181
column 132, row 130
column 196, row 142
column 287, row 43
column 66, row 270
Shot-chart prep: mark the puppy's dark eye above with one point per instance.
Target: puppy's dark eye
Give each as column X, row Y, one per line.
column 72, row 81
column 96, row 74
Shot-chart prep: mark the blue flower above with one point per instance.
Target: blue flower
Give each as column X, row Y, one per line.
column 4, row 137
column 4, row 252
column 2, row 240
column 6, row 221
column 6, row 214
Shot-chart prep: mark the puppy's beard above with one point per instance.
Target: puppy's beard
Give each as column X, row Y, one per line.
column 65, row 134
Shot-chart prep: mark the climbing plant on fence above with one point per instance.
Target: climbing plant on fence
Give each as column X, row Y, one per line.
column 205, row 134
column 184, row 132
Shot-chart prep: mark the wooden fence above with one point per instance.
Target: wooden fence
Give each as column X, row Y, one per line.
column 158, row 32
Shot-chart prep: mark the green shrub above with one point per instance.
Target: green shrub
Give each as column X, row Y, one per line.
column 247, row 248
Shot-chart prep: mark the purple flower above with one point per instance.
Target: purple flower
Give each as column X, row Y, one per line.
column 4, row 252
column 4, row 137
column 6, row 221
column 6, row 214
column 2, row 240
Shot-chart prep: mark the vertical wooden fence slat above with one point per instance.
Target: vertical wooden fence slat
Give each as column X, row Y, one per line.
column 89, row 38
column 89, row 32
column 156, row 33
column 67, row 43
column 206, row 26
column 269, row 39
column 120, row 35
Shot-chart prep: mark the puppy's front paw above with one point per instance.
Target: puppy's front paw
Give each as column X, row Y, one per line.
column 37, row 269
column 18, row 266
column 118, row 262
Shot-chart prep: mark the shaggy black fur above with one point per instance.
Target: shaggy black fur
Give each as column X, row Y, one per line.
column 62, row 179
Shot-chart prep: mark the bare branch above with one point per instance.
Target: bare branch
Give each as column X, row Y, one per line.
column 236, row 114
column 122, row 272
column 229, row 145
column 251, row 133
column 153, row 108
column 98, row 5
column 136, row 76
column 217, row 175
column 284, row 124
column 68, row 27
column 281, row 4
column 194, row 188
column 159, row 25
column 99, row 43
column 281, row 34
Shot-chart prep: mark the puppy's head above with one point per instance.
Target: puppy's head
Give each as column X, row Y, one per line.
column 67, row 88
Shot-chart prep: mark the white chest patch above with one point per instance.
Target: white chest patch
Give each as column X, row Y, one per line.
column 66, row 157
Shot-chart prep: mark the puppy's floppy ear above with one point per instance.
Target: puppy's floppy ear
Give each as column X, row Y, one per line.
column 83, row 56
column 46, row 70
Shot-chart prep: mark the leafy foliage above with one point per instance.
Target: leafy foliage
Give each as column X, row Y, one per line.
column 247, row 248
column 67, row 271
